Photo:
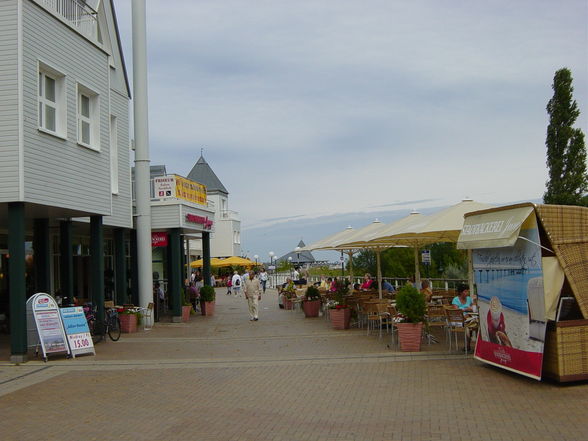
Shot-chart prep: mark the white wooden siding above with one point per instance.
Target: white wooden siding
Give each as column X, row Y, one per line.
column 59, row 172
column 122, row 215
column 9, row 179
column 165, row 216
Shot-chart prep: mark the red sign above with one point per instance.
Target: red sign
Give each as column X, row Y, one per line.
column 207, row 223
column 159, row 239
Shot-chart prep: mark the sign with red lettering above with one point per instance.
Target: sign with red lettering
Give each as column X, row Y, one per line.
column 159, row 239
column 195, row 219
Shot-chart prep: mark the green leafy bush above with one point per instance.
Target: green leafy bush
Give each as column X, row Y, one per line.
column 207, row 294
column 411, row 304
column 312, row 293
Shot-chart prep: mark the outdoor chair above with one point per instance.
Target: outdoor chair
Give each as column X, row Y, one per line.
column 456, row 325
column 393, row 329
column 436, row 318
column 148, row 316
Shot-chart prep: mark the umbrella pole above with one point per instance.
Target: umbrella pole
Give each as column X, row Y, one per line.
column 471, row 273
column 350, row 253
column 378, row 264
column 417, row 271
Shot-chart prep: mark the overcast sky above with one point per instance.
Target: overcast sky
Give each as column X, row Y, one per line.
column 311, row 108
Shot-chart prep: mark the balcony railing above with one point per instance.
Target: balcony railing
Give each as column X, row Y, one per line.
column 229, row 215
column 77, row 13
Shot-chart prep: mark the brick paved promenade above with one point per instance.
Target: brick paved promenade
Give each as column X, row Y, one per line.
column 282, row 378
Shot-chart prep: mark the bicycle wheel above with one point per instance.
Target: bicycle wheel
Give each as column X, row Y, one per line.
column 114, row 328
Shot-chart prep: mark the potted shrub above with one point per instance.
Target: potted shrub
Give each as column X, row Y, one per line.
column 312, row 302
column 130, row 318
column 288, row 293
column 412, row 307
column 340, row 312
column 207, row 298
column 186, row 307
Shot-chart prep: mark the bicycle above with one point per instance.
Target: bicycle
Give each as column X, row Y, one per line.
column 110, row 325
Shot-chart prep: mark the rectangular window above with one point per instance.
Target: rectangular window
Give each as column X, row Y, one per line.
column 113, row 154
column 51, row 94
column 88, row 118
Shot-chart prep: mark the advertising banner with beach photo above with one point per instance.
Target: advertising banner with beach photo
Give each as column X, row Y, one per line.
column 511, row 302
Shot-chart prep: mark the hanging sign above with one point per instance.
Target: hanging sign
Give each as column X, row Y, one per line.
column 77, row 331
column 47, row 320
column 426, row 256
column 159, row 239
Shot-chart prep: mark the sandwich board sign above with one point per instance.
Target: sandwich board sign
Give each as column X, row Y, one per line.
column 77, row 331
column 45, row 328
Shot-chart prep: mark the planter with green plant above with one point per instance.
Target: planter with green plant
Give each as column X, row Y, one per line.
column 411, row 307
column 130, row 319
column 186, row 307
column 288, row 293
column 312, row 302
column 340, row 312
column 207, row 300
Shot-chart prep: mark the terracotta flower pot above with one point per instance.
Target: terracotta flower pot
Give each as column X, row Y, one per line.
column 128, row 323
column 186, row 313
column 410, row 336
column 311, row 308
column 287, row 304
column 340, row 318
column 207, row 308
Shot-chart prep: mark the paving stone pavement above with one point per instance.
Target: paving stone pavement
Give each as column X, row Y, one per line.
column 282, row 378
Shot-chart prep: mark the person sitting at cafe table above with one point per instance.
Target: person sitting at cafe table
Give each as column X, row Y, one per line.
column 463, row 300
column 387, row 286
column 367, row 282
column 426, row 290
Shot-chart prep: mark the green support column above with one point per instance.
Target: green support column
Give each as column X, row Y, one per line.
column 97, row 266
column 66, row 281
column 16, row 283
column 206, row 257
column 42, row 257
column 120, row 268
column 134, row 269
column 174, row 281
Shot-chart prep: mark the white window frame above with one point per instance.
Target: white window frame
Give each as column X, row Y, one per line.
column 59, row 105
column 92, row 119
column 114, row 154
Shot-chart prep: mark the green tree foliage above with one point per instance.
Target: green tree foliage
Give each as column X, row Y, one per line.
column 399, row 262
column 566, row 152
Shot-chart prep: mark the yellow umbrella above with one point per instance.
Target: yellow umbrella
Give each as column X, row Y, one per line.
column 199, row 263
column 236, row 261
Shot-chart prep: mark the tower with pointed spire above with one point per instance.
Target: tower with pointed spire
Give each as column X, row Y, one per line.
column 226, row 239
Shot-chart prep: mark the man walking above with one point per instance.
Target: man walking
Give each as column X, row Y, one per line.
column 263, row 279
column 253, row 295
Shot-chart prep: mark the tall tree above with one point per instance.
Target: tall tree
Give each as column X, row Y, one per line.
column 566, row 152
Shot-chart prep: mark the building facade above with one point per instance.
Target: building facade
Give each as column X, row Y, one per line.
column 225, row 241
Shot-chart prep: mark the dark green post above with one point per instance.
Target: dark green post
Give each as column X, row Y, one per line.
column 174, row 281
column 97, row 266
column 16, row 283
column 120, row 267
column 134, row 269
column 66, row 260
column 42, row 257
column 206, row 257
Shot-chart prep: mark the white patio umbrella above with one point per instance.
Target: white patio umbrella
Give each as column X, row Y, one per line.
column 362, row 239
column 443, row 226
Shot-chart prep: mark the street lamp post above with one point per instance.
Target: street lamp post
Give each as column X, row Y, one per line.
column 256, row 257
column 290, row 265
column 271, row 255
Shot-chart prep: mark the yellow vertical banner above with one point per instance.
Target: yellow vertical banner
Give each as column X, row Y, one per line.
column 190, row 191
